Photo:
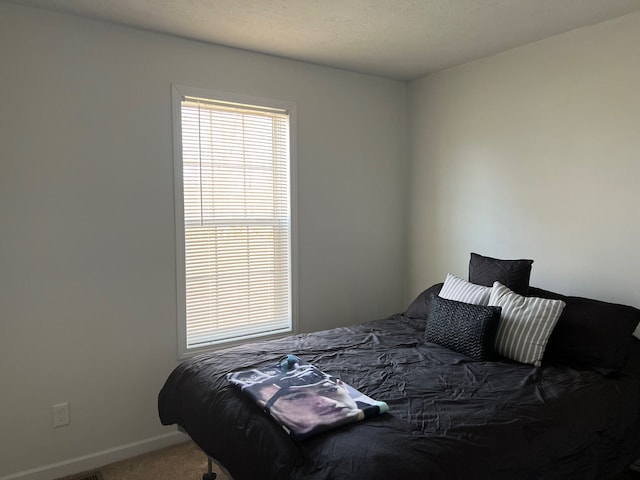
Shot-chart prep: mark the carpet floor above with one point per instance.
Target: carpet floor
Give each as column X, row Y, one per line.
column 184, row 461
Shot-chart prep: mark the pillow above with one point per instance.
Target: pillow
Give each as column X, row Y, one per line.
column 419, row 307
column 513, row 274
column 591, row 332
column 455, row 288
column 525, row 325
column 462, row 327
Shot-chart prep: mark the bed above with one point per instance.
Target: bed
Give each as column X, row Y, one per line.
column 451, row 416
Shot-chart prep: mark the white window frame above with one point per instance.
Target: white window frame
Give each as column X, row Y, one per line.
column 178, row 93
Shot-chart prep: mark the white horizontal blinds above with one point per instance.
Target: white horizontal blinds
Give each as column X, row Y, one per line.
column 236, row 219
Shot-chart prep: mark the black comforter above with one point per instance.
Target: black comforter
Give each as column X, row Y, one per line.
column 449, row 418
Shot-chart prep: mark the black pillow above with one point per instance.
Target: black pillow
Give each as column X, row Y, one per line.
column 462, row 327
column 513, row 274
column 419, row 308
column 591, row 332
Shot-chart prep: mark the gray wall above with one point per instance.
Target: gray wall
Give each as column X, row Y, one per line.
column 532, row 153
column 87, row 251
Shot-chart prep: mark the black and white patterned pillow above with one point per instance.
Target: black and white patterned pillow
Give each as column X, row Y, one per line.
column 526, row 324
column 462, row 327
column 455, row 288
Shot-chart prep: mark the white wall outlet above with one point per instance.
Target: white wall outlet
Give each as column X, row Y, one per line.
column 61, row 414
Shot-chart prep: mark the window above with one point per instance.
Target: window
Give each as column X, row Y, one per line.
column 233, row 218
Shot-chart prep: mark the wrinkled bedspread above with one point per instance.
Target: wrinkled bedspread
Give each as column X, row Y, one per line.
column 449, row 417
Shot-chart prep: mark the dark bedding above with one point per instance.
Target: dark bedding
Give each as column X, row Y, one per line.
column 449, row 417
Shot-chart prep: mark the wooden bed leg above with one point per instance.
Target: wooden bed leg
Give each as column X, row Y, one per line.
column 209, row 475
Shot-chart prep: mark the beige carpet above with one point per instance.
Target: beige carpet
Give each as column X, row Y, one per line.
column 178, row 462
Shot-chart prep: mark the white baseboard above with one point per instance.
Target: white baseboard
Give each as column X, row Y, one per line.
column 98, row 459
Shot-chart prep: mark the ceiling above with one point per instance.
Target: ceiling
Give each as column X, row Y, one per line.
column 401, row 39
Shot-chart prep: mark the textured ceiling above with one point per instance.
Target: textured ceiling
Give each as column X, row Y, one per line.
column 401, row 39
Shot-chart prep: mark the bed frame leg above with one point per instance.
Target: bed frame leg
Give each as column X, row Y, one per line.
column 209, row 475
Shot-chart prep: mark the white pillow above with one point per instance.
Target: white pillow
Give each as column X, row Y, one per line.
column 455, row 288
column 525, row 324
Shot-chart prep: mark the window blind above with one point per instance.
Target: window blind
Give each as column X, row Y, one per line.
column 237, row 229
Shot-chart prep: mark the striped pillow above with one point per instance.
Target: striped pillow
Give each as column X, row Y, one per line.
column 460, row 290
column 525, row 325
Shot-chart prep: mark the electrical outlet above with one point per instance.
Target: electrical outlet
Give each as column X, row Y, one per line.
column 61, row 414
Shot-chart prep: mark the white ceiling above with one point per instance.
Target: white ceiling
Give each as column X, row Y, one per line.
column 402, row 39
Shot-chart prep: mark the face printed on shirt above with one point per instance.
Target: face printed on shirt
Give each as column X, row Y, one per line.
column 308, row 406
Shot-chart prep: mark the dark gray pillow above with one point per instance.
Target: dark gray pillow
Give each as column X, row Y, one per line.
column 419, row 308
column 462, row 327
column 591, row 332
column 513, row 274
